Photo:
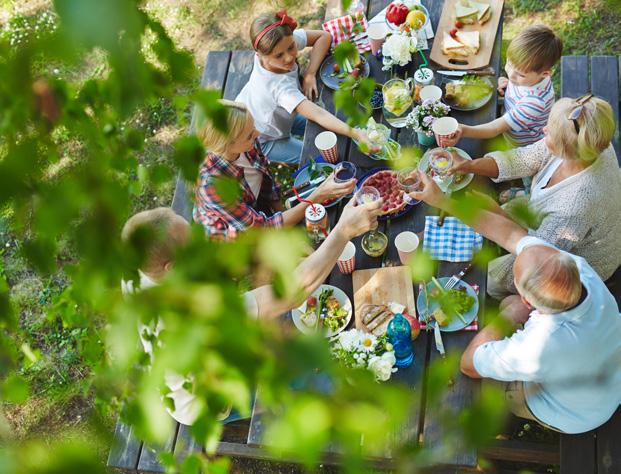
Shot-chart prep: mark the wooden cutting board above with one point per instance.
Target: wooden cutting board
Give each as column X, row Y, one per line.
column 487, row 35
column 382, row 286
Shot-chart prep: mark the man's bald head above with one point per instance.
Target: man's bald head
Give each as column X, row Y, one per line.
column 547, row 278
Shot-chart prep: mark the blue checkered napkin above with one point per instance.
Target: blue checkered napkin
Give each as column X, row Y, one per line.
column 453, row 242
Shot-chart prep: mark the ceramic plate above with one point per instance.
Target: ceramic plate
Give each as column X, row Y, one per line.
column 455, row 323
column 326, row 72
column 339, row 295
column 303, row 176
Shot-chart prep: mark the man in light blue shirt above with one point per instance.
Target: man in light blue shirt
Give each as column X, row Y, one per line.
column 564, row 366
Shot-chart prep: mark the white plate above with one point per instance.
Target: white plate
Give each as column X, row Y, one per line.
column 423, row 165
column 343, row 301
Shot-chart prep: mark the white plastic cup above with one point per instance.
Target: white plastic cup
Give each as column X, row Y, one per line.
column 377, row 35
column 326, row 143
column 347, row 260
column 406, row 243
column 430, row 92
column 444, row 128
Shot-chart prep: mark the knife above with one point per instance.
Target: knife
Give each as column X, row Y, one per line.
column 438, row 337
column 306, row 184
column 490, row 71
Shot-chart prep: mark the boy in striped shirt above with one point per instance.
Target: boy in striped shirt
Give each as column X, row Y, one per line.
column 528, row 90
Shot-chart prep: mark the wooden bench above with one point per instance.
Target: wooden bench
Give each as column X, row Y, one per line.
column 598, row 451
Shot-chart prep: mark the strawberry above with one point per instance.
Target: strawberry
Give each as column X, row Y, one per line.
column 458, row 24
column 311, row 301
column 453, row 32
column 355, row 72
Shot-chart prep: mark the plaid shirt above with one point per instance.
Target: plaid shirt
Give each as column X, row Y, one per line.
column 226, row 219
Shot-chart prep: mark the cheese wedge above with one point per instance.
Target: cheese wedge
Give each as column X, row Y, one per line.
column 466, row 13
column 470, row 39
column 484, row 12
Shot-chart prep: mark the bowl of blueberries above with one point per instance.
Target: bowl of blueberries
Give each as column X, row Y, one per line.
column 377, row 99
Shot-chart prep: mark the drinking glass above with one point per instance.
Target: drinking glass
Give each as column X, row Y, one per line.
column 408, row 181
column 441, row 162
column 374, row 242
column 344, row 171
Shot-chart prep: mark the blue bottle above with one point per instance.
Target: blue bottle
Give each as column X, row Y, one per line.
column 399, row 335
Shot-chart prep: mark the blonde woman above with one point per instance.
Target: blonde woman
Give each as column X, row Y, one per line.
column 236, row 156
column 576, row 188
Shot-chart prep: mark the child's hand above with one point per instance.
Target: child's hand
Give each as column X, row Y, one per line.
column 503, row 82
column 460, row 164
column 453, row 138
column 309, row 86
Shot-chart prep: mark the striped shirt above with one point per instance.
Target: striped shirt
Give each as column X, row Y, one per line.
column 221, row 217
column 527, row 110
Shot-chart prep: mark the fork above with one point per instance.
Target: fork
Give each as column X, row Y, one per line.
column 450, row 284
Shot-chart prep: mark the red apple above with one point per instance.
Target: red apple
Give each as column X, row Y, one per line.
column 414, row 325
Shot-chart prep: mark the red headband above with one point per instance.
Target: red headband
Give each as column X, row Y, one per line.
column 284, row 19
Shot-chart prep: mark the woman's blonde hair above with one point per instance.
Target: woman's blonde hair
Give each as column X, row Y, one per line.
column 552, row 285
column 214, row 140
column 596, row 126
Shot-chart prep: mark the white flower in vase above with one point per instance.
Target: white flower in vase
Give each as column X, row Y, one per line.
column 382, row 367
column 397, row 50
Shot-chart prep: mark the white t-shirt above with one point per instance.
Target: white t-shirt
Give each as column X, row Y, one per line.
column 253, row 176
column 187, row 407
column 570, row 361
column 272, row 97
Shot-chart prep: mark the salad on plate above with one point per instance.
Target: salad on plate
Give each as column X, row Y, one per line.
column 325, row 312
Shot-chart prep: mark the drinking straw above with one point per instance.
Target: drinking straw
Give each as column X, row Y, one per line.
column 304, row 200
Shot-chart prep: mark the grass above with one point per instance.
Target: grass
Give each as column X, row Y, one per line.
column 58, row 400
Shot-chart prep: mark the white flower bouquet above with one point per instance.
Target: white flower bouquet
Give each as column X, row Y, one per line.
column 397, row 50
column 359, row 349
column 421, row 118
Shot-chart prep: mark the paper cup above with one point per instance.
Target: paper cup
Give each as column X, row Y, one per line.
column 430, row 92
column 326, row 143
column 377, row 35
column 444, row 128
column 347, row 260
column 406, row 243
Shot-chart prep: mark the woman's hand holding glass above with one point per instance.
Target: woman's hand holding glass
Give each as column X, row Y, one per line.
column 330, row 189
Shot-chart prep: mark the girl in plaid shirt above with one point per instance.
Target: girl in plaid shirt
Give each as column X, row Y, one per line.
column 236, row 163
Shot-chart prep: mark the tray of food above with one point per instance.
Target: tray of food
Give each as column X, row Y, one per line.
column 466, row 33
column 328, row 310
column 385, row 181
column 468, row 92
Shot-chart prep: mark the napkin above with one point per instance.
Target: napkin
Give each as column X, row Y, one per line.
column 473, row 326
column 427, row 31
column 453, row 242
column 340, row 30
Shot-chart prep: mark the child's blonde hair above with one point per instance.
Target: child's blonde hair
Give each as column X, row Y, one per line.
column 596, row 126
column 535, row 49
column 216, row 141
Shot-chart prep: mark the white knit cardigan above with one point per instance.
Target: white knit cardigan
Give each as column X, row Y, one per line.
column 581, row 214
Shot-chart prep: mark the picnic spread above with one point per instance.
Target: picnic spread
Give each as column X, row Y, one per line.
column 435, row 65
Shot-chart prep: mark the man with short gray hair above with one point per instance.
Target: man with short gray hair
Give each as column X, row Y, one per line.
column 563, row 367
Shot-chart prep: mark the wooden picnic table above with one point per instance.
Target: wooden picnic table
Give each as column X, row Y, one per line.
column 421, row 425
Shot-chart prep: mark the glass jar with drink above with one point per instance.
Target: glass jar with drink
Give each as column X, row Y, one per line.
column 397, row 94
column 317, row 223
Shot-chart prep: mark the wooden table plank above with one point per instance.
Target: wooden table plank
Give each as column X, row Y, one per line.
column 126, row 448
column 185, row 444
column 574, row 76
column 240, row 68
column 149, row 457
column 605, row 84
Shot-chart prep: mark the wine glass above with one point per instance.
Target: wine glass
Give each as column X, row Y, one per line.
column 408, row 181
column 344, row 171
column 374, row 242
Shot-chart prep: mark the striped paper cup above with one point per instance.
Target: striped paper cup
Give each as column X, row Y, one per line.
column 326, row 143
column 347, row 259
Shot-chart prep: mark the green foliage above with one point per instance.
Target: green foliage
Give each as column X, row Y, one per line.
column 521, row 7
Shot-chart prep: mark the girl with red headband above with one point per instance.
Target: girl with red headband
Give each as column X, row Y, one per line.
column 278, row 101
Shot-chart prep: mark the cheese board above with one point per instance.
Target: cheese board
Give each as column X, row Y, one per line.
column 380, row 287
column 466, row 33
